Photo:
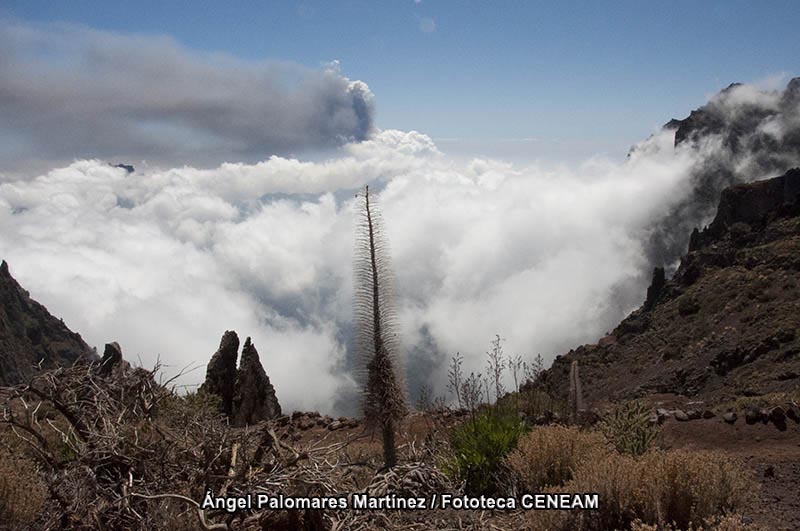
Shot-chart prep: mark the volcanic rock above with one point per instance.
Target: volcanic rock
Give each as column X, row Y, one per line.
column 221, row 371
column 752, row 416
column 693, row 414
column 112, row 359
column 730, row 417
column 777, row 415
column 655, row 289
column 255, row 398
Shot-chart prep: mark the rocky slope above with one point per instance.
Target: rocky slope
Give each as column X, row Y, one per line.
column 741, row 135
column 726, row 325
column 30, row 336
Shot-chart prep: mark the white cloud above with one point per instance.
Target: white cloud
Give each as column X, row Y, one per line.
column 164, row 261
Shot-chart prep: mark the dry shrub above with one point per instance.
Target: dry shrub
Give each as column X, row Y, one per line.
column 679, row 488
column 22, row 492
column 549, row 455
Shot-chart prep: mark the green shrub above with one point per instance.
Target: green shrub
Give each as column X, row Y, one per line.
column 479, row 447
column 629, row 428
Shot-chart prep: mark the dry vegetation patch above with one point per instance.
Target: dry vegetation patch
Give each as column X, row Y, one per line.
column 550, row 455
column 682, row 489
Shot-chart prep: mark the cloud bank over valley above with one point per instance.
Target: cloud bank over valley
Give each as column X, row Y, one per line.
column 166, row 258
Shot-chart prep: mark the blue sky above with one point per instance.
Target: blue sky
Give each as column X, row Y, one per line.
column 556, row 78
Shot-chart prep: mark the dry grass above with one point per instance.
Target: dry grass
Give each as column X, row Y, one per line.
column 549, row 455
column 743, row 403
column 676, row 488
column 22, row 492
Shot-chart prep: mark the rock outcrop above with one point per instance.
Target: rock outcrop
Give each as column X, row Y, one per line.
column 255, row 398
column 221, row 371
column 726, row 325
column 739, row 136
column 112, row 360
column 31, row 337
column 246, row 393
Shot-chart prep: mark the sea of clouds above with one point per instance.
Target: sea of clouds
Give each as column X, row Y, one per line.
column 165, row 259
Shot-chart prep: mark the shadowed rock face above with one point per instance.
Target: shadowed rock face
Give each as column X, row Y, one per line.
column 221, row 371
column 31, row 336
column 255, row 398
column 757, row 137
column 727, row 324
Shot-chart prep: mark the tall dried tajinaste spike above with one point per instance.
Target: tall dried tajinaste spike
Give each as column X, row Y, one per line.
column 575, row 393
column 384, row 400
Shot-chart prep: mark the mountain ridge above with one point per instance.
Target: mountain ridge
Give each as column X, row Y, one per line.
column 725, row 325
column 31, row 337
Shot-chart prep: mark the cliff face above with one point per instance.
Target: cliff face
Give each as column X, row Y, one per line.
column 739, row 136
column 726, row 324
column 29, row 335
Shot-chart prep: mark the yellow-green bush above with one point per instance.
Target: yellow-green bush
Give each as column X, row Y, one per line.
column 681, row 488
column 549, row 455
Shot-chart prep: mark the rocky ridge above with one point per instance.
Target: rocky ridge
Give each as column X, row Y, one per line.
column 741, row 135
column 725, row 326
column 30, row 337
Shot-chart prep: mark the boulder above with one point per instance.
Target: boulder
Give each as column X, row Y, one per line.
column 730, row 417
column 693, row 414
column 793, row 412
column 777, row 416
column 752, row 416
column 681, row 415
